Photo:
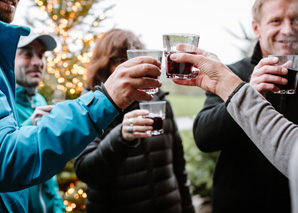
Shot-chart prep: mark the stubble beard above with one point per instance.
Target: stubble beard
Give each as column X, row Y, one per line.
column 7, row 13
column 7, row 18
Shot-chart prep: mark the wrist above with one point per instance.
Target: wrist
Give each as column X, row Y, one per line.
column 105, row 92
column 234, row 92
column 227, row 86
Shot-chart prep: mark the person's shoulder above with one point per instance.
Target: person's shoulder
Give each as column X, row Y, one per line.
column 39, row 100
column 39, row 97
column 241, row 63
column 243, row 67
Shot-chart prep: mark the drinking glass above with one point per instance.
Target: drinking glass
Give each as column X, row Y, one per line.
column 170, row 42
column 156, row 54
column 291, row 63
column 157, row 110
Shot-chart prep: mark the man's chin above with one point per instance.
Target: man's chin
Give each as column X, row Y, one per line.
column 287, row 49
column 33, row 84
column 286, row 52
column 6, row 18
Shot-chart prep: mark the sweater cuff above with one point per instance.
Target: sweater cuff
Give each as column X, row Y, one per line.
column 234, row 92
column 105, row 92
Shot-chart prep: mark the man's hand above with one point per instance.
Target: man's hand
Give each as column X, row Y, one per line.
column 123, row 83
column 39, row 112
column 265, row 76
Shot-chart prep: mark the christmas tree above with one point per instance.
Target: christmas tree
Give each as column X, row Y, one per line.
column 76, row 26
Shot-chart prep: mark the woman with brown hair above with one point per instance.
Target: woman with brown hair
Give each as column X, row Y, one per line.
column 132, row 171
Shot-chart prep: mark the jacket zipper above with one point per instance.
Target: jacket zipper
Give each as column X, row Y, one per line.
column 41, row 199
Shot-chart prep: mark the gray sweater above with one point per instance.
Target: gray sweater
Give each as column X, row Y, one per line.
column 273, row 134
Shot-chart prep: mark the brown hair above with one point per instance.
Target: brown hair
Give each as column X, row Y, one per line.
column 113, row 43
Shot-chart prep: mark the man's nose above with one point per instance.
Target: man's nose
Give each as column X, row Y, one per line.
column 287, row 27
column 37, row 61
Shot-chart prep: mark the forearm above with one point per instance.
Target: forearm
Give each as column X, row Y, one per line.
column 32, row 154
column 227, row 85
column 274, row 135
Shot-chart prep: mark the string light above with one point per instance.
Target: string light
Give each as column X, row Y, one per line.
column 76, row 193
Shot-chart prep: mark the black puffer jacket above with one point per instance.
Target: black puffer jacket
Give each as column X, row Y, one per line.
column 147, row 176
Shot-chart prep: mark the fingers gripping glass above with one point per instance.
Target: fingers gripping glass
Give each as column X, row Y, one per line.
column 170, row 43
column 156, row 54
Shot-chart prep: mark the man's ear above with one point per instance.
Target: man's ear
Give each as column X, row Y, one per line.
column 255, row 28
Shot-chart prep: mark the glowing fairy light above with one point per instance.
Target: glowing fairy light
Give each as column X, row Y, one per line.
column 70, row 190
column 61, row 80
column 72, row 91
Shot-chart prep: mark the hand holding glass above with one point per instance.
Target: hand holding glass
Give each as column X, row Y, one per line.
column 291, row 63
column 174, row 69
column 157, row 110
column 156, row 54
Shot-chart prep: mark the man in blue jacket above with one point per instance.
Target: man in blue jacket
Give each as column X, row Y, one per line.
column 29, row 69
column 30, row 155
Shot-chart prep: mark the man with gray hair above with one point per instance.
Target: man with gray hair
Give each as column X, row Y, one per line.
column 244, row 180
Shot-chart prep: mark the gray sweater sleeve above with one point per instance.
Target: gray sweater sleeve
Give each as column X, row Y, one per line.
column 273, row 134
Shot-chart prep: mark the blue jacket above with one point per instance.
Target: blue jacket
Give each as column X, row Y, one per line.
column 33, row 154
column 24, row 107
column 43, row 197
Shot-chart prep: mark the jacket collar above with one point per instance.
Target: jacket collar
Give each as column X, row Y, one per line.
column 9, row 38
column 257, row 54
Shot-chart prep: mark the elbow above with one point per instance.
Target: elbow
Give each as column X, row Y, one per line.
column 203, row 141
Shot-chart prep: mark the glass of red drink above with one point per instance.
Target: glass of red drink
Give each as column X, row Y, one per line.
column 157, row 112
column 156, row 54
column 291, row 63
column 170, row 42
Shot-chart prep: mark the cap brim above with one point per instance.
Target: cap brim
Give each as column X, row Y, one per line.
column 47, row 40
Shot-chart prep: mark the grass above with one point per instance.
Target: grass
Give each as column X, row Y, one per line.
column 186, row 105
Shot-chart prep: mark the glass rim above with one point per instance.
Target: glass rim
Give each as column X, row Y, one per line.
column 152, row 102
column 144, row 50
column 181, row 34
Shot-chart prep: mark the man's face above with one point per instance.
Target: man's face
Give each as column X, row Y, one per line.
column 30, row 64
column 7, row 10
column 278, row 27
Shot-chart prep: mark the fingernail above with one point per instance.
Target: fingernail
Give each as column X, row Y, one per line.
column 173, row 56
column 274, row 59
column 284, row 70
column 284, row 81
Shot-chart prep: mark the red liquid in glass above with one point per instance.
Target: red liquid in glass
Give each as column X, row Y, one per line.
column 291, row 77
column 158, row 122
column 178, row 68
